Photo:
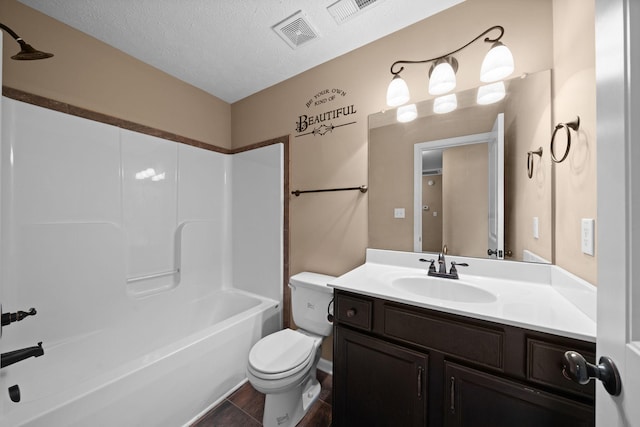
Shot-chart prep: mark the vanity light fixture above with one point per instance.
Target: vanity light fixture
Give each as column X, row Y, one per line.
column 497, row 64
column 27, row 52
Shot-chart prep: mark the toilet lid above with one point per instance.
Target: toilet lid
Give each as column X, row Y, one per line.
column 280, row 352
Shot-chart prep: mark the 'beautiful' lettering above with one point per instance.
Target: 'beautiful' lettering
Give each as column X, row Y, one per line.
column 305, row 121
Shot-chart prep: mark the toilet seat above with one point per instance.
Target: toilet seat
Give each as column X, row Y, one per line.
column 282, row 354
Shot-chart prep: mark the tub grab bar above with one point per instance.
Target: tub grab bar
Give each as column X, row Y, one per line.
column 153, row 276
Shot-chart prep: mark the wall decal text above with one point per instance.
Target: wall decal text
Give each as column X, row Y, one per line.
column 322, row 123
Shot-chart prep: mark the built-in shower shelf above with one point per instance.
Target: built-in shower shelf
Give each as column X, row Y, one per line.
column 153, row 275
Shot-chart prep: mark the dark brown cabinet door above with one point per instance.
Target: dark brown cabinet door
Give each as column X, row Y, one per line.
column 477, row 399
column 377, row 383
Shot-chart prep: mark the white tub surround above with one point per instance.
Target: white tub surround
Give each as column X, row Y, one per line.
column 539, row 297
column 126, row 245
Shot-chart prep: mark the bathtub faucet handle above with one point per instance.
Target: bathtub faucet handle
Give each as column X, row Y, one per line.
column 8, row 318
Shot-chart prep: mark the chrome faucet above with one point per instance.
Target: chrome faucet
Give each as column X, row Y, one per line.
column 442, row 267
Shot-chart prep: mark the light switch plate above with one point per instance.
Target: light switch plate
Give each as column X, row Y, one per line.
column 536, row 228
column 587, row 232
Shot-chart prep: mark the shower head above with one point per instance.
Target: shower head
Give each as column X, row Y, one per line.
column 27, row 52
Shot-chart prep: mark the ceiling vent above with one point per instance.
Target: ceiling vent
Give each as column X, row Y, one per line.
column 296, row 30
column 343, row 10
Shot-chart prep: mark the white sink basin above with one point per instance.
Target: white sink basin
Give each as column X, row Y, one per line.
column 443, row 289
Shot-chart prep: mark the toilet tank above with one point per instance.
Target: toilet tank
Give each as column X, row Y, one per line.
column 310, row 299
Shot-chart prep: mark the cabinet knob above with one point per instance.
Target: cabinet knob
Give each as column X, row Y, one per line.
column 351, row 312
column 577, row 369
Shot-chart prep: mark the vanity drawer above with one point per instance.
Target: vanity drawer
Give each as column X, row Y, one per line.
column 469, row 341
column 353, row 311
column 544, row 366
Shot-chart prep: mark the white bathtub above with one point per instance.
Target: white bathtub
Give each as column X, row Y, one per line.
column 165, row 371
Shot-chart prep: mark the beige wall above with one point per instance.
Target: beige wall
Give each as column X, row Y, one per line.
column 88, row 73
column 465, row 206
column 574, row 70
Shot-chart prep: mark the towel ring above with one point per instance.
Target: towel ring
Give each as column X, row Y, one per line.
column 530, row 154
column 575, row 125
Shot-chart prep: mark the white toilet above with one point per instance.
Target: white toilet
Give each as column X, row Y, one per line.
column 283, row 365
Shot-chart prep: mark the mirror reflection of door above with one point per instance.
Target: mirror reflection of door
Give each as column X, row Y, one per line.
column 432, row 211
column 460, row 183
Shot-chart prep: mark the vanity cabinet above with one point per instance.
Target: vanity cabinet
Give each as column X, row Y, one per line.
column 396, row 364
column 388, row 378
column 478, row 398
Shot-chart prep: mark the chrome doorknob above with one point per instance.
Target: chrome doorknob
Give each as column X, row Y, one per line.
column 577, row 369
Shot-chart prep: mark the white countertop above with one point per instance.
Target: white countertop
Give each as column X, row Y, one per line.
column 531, row 296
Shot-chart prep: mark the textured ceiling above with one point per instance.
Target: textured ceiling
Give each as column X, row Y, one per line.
column 227, row 47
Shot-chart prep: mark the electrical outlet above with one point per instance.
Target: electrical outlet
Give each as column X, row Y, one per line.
column 398, row 213
column 587, row 232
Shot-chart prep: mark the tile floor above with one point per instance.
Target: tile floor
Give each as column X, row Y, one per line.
column 244, row 408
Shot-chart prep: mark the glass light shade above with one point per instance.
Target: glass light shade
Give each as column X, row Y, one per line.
column 442, row 78
column 407, row 113
column 397, row 92
column 445, row 104
column 497, row 64
column 488, row 94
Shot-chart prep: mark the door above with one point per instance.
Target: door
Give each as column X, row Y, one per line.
column 495, row 233
column 2, row 239
column 618, row 136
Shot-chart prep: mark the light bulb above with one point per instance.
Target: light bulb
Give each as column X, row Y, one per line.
column 407, row 113
column 497, row 63
column 442, row 77
column 397, row 92
column 445, row 104
column 488, row 94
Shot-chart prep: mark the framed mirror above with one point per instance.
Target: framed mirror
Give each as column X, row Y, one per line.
column 399, row 218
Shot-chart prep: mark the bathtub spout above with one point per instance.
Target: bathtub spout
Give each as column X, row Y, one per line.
column 12, row 357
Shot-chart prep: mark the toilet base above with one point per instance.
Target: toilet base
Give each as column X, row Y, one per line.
column 287, row 409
